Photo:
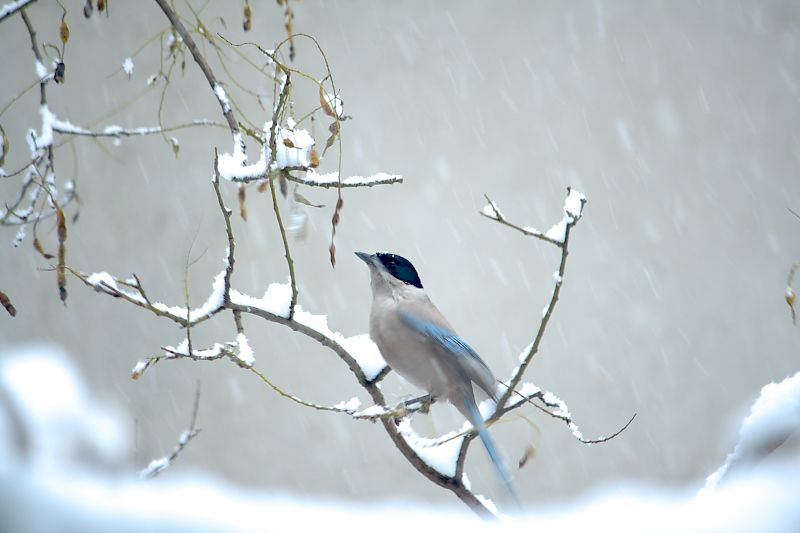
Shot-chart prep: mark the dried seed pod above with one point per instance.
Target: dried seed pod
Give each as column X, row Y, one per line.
column 6, row 302
column 4, row 147
column 101, row 5
column 262, row 186
column 334, row 223
column 61, row 224
column 62, row 286
column 38, row 247
column 88, row 9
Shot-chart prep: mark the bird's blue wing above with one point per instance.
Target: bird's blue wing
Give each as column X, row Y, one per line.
column 477, row 370
column 466, row 358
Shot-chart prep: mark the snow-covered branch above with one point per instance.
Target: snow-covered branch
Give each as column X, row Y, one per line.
column 157, row 466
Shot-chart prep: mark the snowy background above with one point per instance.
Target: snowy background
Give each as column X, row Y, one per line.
column 678, row 121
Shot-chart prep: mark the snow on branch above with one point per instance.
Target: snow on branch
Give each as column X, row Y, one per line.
column 238, row 351
column 157, row 466
column 361, row 348
column 9, row 9
column 51, row 123
column 292, row 152
column 108, row 284
column 119, row 131
column 573, row 210
column 276, row 300
column 440, row 454
column 332, row 180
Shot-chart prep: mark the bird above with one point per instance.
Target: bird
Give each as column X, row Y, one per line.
column 417, row 342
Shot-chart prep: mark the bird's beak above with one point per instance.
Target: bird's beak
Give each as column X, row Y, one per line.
column 367, row 258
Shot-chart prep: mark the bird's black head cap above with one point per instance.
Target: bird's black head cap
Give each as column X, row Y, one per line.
column 401, row 268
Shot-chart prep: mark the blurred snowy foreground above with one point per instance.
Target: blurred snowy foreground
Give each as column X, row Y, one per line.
column 65, row 465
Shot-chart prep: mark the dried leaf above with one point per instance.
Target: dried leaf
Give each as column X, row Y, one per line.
column 530, row 451
column 64, row 30
column 38, row 247
column 174, row 43
column 262, row 185
column 101, row 5
column 330, row 140
column 242, row 195
column 88, row 9
column 313, row 158
column 6, row 302
column 288, row 143
column 323, row 102
column 248, row 14
column 283, row 184
column 300, row 199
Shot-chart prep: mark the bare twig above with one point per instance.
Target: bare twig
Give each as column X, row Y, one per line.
column 498, row 217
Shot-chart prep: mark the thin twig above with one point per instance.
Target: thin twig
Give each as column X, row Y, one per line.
column 201, row 62
column 273, row 145
column 231, row 243
column 498, row 217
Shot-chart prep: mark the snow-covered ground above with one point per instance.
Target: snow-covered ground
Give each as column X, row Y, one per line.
column 65, row 465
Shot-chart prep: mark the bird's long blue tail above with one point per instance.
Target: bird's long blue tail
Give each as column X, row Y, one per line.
column 483, row 432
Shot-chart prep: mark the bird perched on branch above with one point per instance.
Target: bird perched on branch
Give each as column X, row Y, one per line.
column 418, row 343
